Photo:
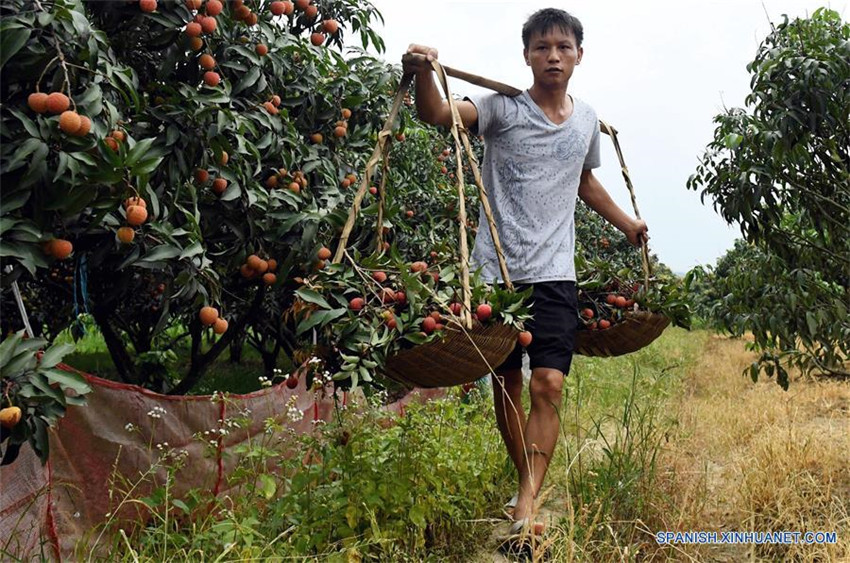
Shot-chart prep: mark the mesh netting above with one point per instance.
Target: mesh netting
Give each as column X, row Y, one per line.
column 46, row 510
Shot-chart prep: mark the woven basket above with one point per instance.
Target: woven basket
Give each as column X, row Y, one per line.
column 460, row 357
column 631, row 334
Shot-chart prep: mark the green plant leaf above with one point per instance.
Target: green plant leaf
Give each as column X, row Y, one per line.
column 12, row 42
column 267, row 486
column 311, row 296
column 68, row 380
column 54, row 355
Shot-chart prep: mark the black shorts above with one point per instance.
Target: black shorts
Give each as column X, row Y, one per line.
column 554, row 306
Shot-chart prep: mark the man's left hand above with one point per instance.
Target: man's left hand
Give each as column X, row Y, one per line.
column 637, row 232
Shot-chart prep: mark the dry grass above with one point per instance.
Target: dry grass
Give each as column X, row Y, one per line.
column 752, row 457
column 731, row 455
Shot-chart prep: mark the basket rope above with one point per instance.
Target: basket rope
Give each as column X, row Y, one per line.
column 462, row 145
column 644, row 251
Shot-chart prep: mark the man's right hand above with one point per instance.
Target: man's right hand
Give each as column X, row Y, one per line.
column 418, row 65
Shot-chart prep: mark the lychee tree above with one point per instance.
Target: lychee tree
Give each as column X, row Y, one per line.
column 780, row 168
column 151, row 148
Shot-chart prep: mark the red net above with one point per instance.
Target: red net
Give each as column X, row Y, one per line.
column 46, row 510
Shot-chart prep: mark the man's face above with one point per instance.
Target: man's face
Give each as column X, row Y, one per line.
column 552, row 57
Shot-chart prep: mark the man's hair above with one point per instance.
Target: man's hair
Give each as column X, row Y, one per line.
column 547, row 19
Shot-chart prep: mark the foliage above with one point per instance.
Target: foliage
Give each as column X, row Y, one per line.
column 393, row 312
column 30, row 380
column 734, row 297
column 155, row 124
column 781, row 169
column 608, row 266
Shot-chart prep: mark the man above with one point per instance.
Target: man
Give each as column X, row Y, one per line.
column 540, row 149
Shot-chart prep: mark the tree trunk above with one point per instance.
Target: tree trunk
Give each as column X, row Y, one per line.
column 236, row 350
column 201, row 361
column 270, row 360
column 117, row 349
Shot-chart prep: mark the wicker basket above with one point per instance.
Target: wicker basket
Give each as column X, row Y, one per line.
column 460, row 357
column 637, row 330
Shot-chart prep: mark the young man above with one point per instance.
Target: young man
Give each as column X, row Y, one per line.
column 540, row 149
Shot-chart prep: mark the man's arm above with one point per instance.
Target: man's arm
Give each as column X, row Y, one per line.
column 591, row 191
column 430, row 105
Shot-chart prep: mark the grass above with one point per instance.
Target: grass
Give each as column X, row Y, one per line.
column 673, row 438
column 91, row 356
column 753, row 457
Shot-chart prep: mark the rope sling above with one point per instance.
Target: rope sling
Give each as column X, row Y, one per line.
column 471, row 351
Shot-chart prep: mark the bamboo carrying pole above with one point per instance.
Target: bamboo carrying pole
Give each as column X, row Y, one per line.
column 644, row 250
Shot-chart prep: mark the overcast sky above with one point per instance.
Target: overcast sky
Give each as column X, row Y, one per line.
column 658, row 71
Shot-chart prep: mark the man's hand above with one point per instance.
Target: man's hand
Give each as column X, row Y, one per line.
column 418, row 65
column 637, row 232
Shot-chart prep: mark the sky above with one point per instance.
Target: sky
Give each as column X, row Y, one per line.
column 658, row 71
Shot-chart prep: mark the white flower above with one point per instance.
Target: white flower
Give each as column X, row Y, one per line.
column 130, row 427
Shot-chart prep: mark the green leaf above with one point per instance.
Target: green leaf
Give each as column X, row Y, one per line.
column 41, row 383
column 417, row 515
column 63, row 165
column 15, row 201
column 181, row 505
column 8, row 346
column 193, row 250
column 54, row 355
column 318, row 318
column 22, row 361
column 812, row 323
column 161, row 252
column 28, row 123
column 12, row 42
column 247, row 80
column 140, row 150
column 39, row 440
column 146, row 166
column 68, row 380
column 81, row 24
column 27, row 148
column 92, row 94
column 754, row 372
column 311, row 296
column 268, row 486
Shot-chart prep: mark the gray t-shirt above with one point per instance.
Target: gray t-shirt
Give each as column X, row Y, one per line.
column 531, row 170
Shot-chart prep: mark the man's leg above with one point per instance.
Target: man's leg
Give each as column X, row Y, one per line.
column 510, row 415
column 541, row 435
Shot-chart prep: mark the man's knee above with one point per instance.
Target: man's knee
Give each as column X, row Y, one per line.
column 546, row 386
